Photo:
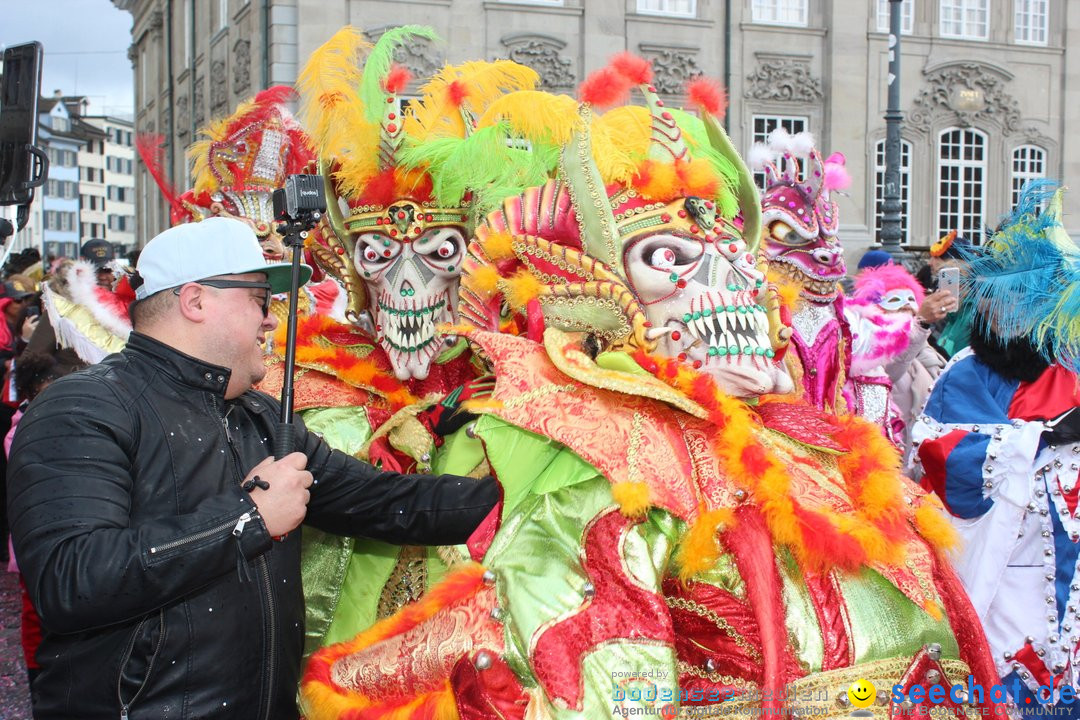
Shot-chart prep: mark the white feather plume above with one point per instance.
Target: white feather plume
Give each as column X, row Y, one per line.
column 779, row 141
column 802, row 143
column 759, row 156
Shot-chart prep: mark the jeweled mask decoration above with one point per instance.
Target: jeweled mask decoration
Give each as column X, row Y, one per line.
column 398, row 234
column 410, row 262
column 653, row 255
column 242, row 160
column 799, row 214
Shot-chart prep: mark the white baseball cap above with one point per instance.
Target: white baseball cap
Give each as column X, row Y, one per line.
column 205, row 249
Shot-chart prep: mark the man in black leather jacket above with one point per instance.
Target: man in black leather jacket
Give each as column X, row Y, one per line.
column 148, row 512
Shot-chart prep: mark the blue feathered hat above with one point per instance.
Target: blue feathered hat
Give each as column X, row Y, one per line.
column 1027, row 276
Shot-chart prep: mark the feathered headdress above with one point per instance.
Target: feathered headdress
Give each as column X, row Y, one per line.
column 554, row 253
column 1026, row 279
column 238, row 162
column 400, row 171
column 799, row 183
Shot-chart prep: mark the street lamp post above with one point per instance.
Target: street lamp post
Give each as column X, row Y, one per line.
column 891, row 207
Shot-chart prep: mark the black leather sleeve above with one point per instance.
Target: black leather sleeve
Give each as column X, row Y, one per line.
column 350, row 497
column 69, row 488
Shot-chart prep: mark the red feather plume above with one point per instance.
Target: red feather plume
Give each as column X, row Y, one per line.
column 605, row 87
column 633, row 67
column 278, row 95
column 708, row 94
column 397, row 79
column 457, row 91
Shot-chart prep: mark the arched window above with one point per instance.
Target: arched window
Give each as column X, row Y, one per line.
column 1028, row 163
column 879, row 187
column 961, row 181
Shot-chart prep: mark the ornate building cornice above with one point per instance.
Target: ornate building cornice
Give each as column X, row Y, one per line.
column 784, row 78
column 542, row 54
column 673, row 66
column 969, row 93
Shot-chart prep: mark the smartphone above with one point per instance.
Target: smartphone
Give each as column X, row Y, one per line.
column 949, row 279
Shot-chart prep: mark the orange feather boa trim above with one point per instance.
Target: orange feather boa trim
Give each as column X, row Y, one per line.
column 316, row 349
column 820, row 538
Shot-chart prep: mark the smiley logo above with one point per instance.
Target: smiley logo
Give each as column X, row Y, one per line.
column 861, row 693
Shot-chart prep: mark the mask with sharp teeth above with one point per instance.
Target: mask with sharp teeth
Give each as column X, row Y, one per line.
column 412, row 279
column 397, row 187
column 656, row 259
column 800, row 215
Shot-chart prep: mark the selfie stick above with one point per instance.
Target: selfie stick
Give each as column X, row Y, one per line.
column 298, row 222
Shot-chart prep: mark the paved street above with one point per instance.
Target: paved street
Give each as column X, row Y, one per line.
column 14, row 695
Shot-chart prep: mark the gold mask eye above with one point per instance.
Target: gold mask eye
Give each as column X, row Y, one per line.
column 782, row 233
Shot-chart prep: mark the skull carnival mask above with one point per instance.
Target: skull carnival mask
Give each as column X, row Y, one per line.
column 411, row 267
column 655, row 258
column 399, row 210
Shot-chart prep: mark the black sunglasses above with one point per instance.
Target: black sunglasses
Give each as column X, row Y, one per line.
column 225, row 284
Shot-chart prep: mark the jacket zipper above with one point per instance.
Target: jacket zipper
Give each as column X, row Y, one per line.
column 126, row 706
column 201, row 535
column 262, row 570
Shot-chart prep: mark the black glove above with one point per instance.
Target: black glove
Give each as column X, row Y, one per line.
column 1065, row 428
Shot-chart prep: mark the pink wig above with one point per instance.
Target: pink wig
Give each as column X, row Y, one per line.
column 871, row 284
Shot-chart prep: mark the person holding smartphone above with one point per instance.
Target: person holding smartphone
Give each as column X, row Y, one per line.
column 999, row 442
column 955, row 316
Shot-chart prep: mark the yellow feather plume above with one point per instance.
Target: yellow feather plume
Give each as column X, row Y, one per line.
column 521, row 288
column 482, row 82
column 931, row 523
column 484, row 280
column 499, row 246
column 633, row 498
column 629, row 125
column 331, row 109
column 535, row 115
column 616, row 160
column 700, row 546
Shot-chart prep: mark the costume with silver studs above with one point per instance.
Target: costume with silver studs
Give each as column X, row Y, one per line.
column 987, row 446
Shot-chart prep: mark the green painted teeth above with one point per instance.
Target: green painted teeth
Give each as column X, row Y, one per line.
column 412, row 313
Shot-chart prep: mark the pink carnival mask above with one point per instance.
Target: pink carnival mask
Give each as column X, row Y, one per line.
column 801, row 221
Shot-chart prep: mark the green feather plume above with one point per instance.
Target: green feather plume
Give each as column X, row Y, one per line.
column 727, row 202
column 490, row 162
column 378, row 65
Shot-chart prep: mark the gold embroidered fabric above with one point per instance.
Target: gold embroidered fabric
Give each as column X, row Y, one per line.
column 407, row 581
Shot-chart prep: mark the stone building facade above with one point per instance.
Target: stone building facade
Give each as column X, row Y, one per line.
column 986, row 84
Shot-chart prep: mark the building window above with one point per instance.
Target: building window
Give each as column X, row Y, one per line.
column 1028, row 163
column 56, row 220
column 62, row 158
column 61, row 189
column 879, row 187
column 907, row 16
column 779, row 12
column 961, row 181
column 682, row 8
column 765, row 124
column 223, row 14
column 966, row 19
column 1031, row 21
